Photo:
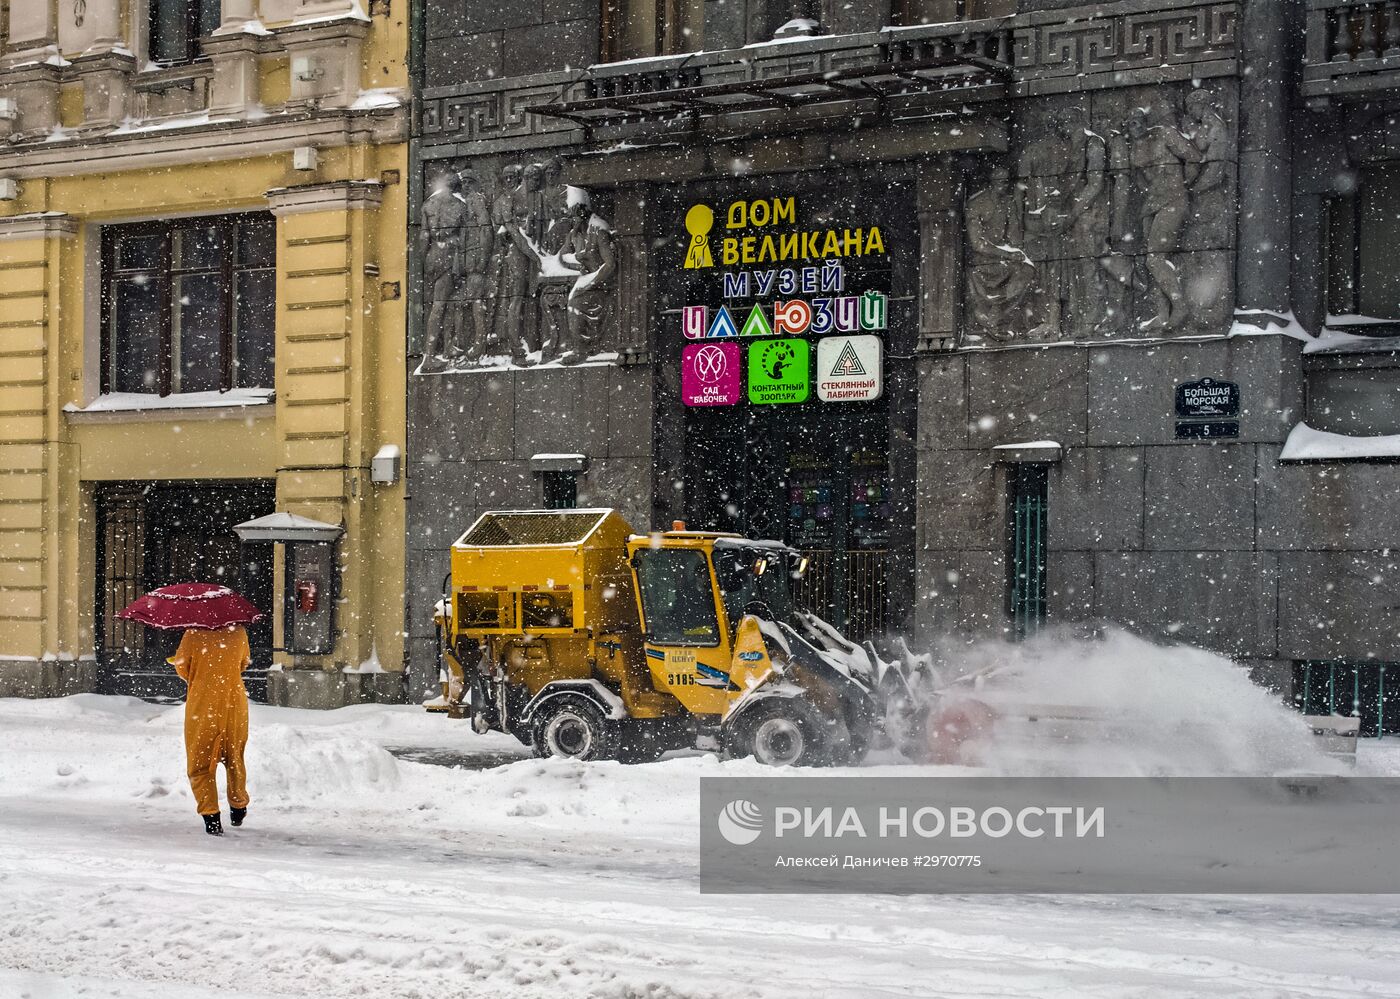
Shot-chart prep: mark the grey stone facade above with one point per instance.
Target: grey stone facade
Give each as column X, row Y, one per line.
column 1116, row 199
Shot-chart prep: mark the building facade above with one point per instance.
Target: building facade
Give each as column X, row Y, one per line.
column 202, row 266
column 1009, row 313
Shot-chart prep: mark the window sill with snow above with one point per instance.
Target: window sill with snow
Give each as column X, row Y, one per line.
column 116, row 407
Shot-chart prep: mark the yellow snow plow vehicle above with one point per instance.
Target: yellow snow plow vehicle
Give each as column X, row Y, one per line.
column 584, row 639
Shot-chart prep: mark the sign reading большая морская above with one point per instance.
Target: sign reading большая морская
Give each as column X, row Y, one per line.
column 780, row 285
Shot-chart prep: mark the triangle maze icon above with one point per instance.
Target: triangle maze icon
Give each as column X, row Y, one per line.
column 848, row 363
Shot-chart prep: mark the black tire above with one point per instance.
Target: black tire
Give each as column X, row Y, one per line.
column 572, row 727
column 780, row 732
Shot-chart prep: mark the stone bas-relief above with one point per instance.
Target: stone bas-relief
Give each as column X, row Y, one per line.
column 1087, row 241
column 520, row 269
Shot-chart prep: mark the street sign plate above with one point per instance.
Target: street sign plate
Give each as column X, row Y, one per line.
column 1207, row 398
column 1208, row 430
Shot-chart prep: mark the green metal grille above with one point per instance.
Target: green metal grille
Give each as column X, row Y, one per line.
column 1029, row 513
column 1366, row 690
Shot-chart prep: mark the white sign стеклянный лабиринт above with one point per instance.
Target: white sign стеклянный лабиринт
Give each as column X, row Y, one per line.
column 849, row 369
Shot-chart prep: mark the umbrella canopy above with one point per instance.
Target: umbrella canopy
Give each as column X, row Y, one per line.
column 191, row 605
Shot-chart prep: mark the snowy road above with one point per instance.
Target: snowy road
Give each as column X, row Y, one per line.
column 361, row 875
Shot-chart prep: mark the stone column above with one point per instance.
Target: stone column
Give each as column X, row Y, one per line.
column 1265, row 211
column 234, row 89
column 33, row 35
column 236, row 13
column 634, row 299
column 106, row 78
column 940, row 252
column 325, row 61
column 29, row 71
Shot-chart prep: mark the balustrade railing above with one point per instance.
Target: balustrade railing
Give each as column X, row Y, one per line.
column 1342, row 31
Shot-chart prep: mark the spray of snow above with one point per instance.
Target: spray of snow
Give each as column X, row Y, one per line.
column 1119, row 705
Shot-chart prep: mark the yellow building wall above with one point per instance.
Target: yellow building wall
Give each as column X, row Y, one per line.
column 339, row 385
column 30, row 557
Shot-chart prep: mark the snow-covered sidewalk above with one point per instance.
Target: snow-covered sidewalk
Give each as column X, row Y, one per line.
column 363, row 875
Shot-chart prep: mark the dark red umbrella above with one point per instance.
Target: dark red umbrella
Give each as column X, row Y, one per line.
column 191, row 605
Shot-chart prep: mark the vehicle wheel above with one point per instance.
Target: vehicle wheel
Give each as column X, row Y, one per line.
column 782, row 732
column 573, row 727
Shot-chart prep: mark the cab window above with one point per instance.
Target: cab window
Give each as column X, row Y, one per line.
column 677, row 597
column 754, row 578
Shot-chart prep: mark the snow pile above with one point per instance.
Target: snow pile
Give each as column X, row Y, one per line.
column 1119, row 705
column 125, row 749
column 285, row 766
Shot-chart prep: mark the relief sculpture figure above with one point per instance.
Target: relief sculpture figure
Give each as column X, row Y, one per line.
column 590, row 242
column 511, row 263
column 1000, row 275
column 476, row 269
column 1210, row 189
column 1162, row 161
column 444, row 217
column 1047, row 169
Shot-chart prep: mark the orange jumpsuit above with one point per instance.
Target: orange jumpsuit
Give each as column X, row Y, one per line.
column 216, row 712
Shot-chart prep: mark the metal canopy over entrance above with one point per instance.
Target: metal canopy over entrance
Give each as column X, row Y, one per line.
column 638, row 97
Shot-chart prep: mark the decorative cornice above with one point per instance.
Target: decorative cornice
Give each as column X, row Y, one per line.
column 310, row 32
column 1127, row 43
column 203, row 141
column 38, row 225
column 115, row 62
column 29, row 72
column 338, row 195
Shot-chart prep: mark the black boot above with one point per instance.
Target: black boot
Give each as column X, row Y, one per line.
column 236, row 815
column 213, row 825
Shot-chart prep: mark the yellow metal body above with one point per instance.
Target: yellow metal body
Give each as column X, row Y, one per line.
column 706, row 679
column 547, row 610
column 551, row 610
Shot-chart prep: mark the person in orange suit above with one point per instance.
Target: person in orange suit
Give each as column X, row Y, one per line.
column 211, row 662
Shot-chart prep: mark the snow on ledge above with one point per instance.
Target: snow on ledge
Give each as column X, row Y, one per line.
column 383, row 97
column 133, row 402
column 1025, row 445
column 1261, row 322
column 1306, row 443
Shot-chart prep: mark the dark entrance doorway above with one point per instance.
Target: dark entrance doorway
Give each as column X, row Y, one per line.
column 154, row 534
column 814, row 476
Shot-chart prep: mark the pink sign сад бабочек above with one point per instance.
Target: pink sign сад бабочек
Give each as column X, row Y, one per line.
column 710, row 374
